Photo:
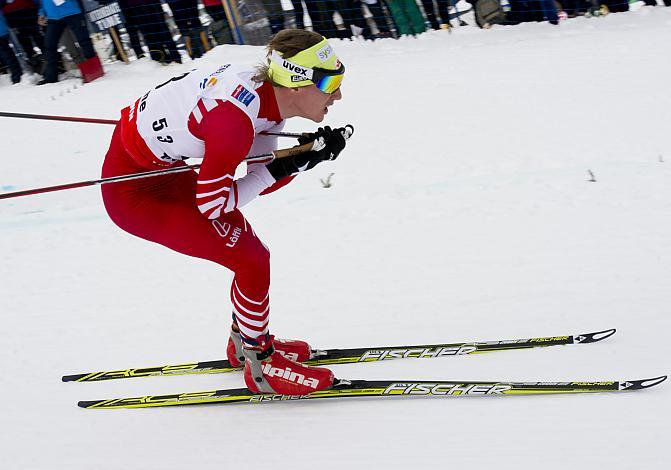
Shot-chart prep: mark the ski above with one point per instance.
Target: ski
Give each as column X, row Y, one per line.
column 354, row 355
column 379, row 389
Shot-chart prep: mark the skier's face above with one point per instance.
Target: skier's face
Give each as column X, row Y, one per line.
column 313, row 103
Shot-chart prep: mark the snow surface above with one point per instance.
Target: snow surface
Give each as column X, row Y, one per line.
column 461, row 210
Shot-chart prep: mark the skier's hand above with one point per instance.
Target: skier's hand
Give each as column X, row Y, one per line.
column 328, row 145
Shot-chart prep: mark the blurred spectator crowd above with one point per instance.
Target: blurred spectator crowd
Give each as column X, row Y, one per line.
column 45, row 37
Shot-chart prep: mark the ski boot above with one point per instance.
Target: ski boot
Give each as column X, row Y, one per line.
column 268, row 371
column 292, row 349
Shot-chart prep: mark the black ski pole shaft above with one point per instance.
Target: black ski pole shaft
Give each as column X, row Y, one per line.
column 48, row 117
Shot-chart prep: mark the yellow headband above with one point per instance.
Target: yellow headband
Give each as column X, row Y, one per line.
column 296, row 71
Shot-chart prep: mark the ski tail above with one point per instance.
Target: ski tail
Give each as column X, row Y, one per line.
column 356, row 355
column 380, row 389
column 205, row 367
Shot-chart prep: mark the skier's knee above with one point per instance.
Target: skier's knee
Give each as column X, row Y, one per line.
column 259, row 260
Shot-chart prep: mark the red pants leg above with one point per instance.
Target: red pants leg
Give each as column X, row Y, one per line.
column 162, row 209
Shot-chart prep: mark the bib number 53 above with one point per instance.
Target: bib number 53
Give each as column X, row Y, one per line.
column 158, row 126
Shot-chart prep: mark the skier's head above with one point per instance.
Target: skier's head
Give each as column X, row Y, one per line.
column 305, row 72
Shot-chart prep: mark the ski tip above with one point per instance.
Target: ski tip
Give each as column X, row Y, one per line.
column 652, row 382
column 594, row 337
column 642, row 384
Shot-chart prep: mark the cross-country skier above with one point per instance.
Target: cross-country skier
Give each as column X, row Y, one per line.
column 217, row 115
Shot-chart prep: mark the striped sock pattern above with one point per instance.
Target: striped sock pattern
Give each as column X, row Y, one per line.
column 251, row 315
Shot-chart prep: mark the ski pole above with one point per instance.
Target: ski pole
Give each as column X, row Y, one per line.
column 48, row 117
column 116, row 179
column 282, row 153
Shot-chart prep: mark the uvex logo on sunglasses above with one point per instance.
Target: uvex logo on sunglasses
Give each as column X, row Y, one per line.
column 294, row 68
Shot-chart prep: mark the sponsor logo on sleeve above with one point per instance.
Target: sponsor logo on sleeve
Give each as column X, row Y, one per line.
column 243, row 95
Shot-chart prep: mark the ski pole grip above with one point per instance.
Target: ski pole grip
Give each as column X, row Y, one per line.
column 316, row 144
column 283, row 153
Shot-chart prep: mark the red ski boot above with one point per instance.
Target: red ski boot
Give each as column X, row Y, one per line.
column 268, row 371
column 292, row 349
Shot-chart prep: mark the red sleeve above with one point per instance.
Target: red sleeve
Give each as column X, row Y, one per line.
column 228, row 134
column 278, row 185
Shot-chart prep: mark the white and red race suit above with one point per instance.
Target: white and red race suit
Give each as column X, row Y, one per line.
column 214, row 115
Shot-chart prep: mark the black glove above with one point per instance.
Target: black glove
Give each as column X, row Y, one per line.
column 330, row 143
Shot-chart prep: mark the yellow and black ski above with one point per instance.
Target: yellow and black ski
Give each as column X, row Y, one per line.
column 380, row 389
column 354, row 355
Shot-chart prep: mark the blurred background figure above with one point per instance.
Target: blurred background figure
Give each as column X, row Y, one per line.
column 299, row 13
column 320, row 17
column 354, row 19
column 275, row 14
column 185, row 14
column 132, row 30
column 220, row 28
column 56, row 15
column 147, row 17
column 430, row 13
column 407, row 16
column 546, row 10
column 616, row 6
column 522, row 11
column 7, row 55
column 21, row 16
column 379, row 17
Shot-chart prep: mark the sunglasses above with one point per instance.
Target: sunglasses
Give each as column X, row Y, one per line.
column 328, row 81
